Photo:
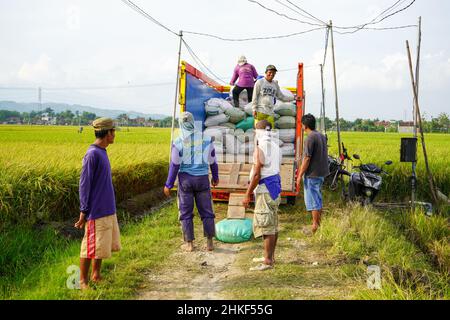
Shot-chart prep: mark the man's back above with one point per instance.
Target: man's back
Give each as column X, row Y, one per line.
column 316, row 148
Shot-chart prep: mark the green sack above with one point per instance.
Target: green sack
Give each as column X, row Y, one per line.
column 246, row 124
column 286, row 122
column 234, row 230
column 236, row 115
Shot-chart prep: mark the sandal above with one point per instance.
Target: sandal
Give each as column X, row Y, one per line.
column 261, row 267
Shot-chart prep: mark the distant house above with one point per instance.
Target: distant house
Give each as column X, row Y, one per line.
column 405, row 127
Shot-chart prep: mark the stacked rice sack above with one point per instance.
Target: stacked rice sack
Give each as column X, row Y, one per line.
column 230, row 127
column 286, row 122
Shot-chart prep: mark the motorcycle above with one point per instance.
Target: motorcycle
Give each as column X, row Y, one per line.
column 336, row 168
column 365, row 184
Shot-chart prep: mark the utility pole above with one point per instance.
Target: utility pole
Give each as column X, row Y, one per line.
column 322, row 109
column 175, row 103
column 40, row 98
column 414, row 164
column 338, row 127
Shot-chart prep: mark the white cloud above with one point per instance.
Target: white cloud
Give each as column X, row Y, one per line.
column 40, row 71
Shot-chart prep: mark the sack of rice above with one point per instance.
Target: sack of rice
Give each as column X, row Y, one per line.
column 216, row 120
column 218, row 147
column 243, row 97
column 229, row 125
column 245, row 124
column 288, row 149
column 236, row 115
column 285, row 109
column 287, row 135
column 247, row 148
column 287, row 93
column 217, row 132
column 238, row 132
column 212, row 110
column 285, row 122
column 229, row 142
column 248, row 109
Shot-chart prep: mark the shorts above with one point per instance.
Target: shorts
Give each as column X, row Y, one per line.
column 265, row 220
column 263, row 116
column 101, row 238
column 313, row 193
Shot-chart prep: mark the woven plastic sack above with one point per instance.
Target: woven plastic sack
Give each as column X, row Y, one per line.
column 217, row 132
column 286, row 122
column 238, row 132
column 229, row 125
column 287, row 135
column 218, row 147
column 212, row 110
column 246, row 124
column 248, row 109
column 217, row 102
column 288, row 149
column 285, row 109
column 287, row 93
column 230, row 143
column 236, row 114
column 247, row 148
column 234, row 230
column 216, row 120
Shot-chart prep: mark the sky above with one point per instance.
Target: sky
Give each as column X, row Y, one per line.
column 67, row 47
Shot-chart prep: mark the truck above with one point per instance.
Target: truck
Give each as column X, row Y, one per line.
column 195, row 88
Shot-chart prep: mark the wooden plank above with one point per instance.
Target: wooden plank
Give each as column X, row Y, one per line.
column 287, row 177
column 235, row 212
column 236, row 199
column 234, row 174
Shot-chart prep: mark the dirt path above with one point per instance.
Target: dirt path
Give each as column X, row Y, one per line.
column 302, row 271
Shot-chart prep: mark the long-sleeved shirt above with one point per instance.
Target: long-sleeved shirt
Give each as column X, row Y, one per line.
column 97, row 198
column 246, row 74
column 191, row 167
column 264, row 95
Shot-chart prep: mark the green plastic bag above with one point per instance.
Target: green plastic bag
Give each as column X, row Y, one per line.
column 234, row 230
column 246, row 124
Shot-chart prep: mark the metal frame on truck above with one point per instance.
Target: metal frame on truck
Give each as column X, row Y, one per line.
column 195, row 88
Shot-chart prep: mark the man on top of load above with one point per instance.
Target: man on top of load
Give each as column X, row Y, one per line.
column 264, row 94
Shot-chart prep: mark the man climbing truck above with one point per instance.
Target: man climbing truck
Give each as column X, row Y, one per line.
column 195, row 89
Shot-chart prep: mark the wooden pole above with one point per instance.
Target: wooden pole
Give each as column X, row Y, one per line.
column 422, row 137
column 414, row 164
column 338, row 127
column 176, row 95
column 322, row 109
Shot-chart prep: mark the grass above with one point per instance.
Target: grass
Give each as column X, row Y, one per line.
column 146, row 246
column 40, row 168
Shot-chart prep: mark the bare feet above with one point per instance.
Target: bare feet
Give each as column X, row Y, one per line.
column 189, row 247
column 314, row 228
column 84, row 285
column 210, row 244
column 96, row 279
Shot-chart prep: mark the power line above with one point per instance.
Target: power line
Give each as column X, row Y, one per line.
column 200, row 62
column 284, row 15
column 309, row 14
column 254, row 38
column 326, row 46
column 299, row 13
column 91, row 88
column 374, row 21
column 139, row 10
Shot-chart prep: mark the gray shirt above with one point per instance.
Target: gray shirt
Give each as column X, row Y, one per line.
column 264, row 95
column 316, row 148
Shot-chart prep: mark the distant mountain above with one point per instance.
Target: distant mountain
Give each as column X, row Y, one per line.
column 59, row 107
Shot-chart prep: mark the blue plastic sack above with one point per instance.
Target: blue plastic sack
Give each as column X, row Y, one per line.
column 234, row 230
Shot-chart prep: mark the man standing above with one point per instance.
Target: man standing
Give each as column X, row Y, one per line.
column 192, row 153
column 97, row 204
column 314, row 167
column 264, row 94
column 265, row 182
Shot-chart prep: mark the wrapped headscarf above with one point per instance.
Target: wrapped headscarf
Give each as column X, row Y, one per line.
column 242, row 60
column 187, row 126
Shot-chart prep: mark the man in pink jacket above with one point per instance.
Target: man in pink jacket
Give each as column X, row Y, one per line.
column 247, row 75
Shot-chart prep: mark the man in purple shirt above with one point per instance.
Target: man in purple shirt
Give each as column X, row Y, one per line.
column 192, row 153
column 247, row 75
column 97, row 204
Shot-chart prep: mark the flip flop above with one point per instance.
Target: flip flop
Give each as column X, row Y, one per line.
column 261, row 267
